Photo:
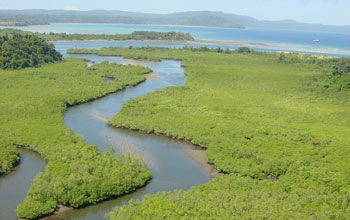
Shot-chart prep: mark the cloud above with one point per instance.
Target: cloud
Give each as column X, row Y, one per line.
column 70, row 8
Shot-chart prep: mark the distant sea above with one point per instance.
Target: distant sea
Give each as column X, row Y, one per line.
column 333, row 44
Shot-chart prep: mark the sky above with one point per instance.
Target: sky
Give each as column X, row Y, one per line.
column 334, row 12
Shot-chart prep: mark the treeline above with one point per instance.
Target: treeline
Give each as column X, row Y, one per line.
column 22, row 20
column 136, row 35
column 14, row 23
column 219, row 49
column 141, row 50
column 21, row 51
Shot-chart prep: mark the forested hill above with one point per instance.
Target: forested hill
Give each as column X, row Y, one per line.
column 20, row 51
column 38, row 17
column 192, row 18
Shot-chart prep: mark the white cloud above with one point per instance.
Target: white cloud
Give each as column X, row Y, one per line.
column 70, row 8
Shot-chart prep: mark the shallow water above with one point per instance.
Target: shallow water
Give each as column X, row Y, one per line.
column 13, row 186
column 335, row 44
column 170, row 166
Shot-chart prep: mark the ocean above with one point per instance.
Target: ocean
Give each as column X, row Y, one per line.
column 333, row 44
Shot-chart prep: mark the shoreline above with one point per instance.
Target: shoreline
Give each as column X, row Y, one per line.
column 196, row 41
column 111, row 40
column 149, row 76
column 197, row 153
column 267, row 47
column 61, row 208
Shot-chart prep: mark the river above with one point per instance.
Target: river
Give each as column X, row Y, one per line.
column 171, row 167
column 14, row 185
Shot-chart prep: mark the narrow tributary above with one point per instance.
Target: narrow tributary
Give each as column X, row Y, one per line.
column 171, row 167
column 165, row 157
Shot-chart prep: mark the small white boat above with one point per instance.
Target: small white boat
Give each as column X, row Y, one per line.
column 316, row 40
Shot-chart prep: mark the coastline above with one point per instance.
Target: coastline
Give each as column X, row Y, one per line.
column 268, row 47
column 197, row 41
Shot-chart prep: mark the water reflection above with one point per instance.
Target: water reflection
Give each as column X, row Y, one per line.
column 170, row 166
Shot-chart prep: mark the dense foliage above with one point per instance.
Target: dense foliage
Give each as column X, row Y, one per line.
column 261, row 120
column 20, row 51
column 233, row 197
column 340, row 77
column 156, row 52
column 21, row 20
column 8, row 157
column 31, row 107
column 336, row 80
column 14, row 23
column 136, row 35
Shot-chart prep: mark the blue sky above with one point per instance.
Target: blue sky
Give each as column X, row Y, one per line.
column 311, row 11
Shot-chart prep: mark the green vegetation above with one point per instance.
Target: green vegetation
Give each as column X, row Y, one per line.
column 21, row 51
column 77, row 174
column 336, row 80
column 136, row 35
column 21, row 20
column 282, row 141
column 13, row 23
column 340, row 77
column 8, row 157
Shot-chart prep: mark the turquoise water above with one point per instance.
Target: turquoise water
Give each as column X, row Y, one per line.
column 336, row 44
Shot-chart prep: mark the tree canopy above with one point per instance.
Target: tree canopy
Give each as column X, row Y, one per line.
column 21, row 51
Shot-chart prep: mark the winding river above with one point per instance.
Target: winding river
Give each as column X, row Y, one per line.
column 171, row 167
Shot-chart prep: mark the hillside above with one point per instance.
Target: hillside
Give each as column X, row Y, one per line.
column 192, row 18
column 32, row 17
